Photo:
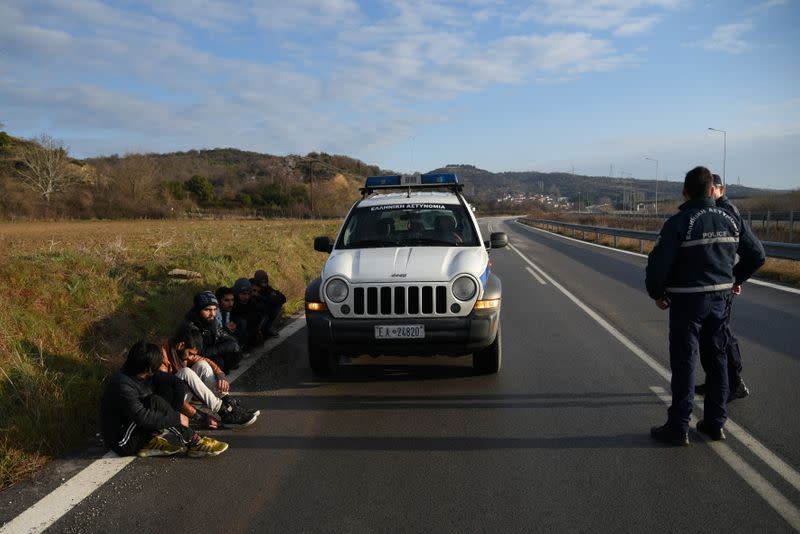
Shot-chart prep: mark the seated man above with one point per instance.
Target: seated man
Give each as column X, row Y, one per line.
column 225, row 320
column 218, row 345
column 245, row 313
column 269, row 301
column 205, row 380
column 134, row 416
column 446, row 229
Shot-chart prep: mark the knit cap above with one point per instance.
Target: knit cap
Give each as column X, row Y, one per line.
column 204, row 299
column 242, row 284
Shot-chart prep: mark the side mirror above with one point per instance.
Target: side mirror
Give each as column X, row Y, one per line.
column 498, row 239
column 323, row 244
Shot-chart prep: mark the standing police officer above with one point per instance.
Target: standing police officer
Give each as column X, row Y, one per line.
column 691, row 271
column 738, row 389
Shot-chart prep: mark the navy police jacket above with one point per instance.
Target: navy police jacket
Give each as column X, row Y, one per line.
column 696, row 251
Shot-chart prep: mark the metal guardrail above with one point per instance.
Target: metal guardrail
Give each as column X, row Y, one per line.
column 774, row 249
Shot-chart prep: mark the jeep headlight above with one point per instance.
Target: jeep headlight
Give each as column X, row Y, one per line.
column 464, row 288
column 336, row 290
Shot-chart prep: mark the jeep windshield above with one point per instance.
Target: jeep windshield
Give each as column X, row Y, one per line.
column 408, row 225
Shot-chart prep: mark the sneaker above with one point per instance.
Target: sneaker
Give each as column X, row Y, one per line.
column 714, row 433
column 738, row 390
column 237, row 403
column 237, row 418
column 159, row 446
column 666, row 434
column 206, row 446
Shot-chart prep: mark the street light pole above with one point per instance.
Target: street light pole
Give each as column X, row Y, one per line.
column 653, row 159
column 724, row 152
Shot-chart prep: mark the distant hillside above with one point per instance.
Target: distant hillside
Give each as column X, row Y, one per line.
column 487, row 185
column 238, row 182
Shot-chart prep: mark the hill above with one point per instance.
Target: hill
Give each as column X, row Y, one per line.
column 592, row 190
column 238, row 182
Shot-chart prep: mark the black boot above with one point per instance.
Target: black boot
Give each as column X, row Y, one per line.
column 666, row 434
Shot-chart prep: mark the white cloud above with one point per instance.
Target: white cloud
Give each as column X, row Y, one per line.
column 636, row 25
column 728, row 38
column 598, row 14
column 89, row 66
column 305, row 15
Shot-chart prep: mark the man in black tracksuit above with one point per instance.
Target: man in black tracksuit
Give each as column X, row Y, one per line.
column 692, row 270
column 738, row 389
column 139, row 403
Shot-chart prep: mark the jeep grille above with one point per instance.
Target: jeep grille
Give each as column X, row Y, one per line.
column 401, row 300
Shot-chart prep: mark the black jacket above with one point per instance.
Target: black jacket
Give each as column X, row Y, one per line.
column 126, row 401
column 696, row 251
column 216, row 340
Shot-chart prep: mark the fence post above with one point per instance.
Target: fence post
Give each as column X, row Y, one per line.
column 768, row 227
column 641, row 246
column 597, row 236
column 791, row 226
column 750, row 219
column 615, row 240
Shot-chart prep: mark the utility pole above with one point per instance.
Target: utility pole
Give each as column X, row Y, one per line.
column 653, row 159
column 724, row 152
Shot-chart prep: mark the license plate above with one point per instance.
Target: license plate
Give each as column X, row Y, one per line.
column 408, row 331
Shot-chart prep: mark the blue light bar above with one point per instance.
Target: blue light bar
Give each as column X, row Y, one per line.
column 375, row 181
column 441, row 178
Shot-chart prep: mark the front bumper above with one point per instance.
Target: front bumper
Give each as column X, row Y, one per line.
column 451, row 336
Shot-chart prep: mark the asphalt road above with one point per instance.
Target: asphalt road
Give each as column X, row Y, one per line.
column 557, row 441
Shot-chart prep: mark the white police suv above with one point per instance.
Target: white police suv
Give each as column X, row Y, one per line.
column 408, row 274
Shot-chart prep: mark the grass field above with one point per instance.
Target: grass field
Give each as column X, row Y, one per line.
column 78, row 294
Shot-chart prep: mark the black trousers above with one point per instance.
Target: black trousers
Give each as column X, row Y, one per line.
column 732, row 350
column 135, row 437
column 697, row 326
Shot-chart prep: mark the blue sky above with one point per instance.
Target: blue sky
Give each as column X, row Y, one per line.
column 547, row 85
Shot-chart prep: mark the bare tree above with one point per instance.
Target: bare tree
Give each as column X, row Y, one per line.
column 137, row 174
column 44, row 166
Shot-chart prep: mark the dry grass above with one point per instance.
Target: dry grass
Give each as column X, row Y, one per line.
column 77, row 294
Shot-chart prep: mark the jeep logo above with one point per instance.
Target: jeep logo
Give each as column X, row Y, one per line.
column 398, row 275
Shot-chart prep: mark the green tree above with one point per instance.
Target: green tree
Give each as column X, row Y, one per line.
column 174, row 189
column 201, row 187
column 245, row 199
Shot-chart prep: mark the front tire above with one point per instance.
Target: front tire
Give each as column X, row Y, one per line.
column 322, row 361
column 488, row 361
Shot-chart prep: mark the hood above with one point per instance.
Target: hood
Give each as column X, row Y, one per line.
column 406, row 264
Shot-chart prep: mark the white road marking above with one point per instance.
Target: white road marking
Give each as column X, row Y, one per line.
column 61, row 500
column 755, row 281
column 753, row 445
column 533, row 273
column 760, row 485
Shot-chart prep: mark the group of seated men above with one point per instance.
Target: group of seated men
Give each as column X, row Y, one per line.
column 181, row 385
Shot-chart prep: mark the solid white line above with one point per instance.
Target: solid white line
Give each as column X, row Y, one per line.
column 757, row 448
column 646, row 358
column 755, row 281
column 61, row 500
column 760, row 485
column 774, row 286
column 533, row 273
